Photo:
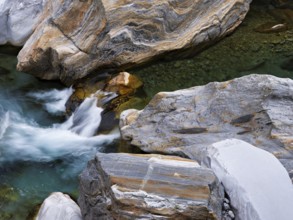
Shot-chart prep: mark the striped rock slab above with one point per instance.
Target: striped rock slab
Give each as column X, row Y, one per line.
column 129, row 186
column 78, row 38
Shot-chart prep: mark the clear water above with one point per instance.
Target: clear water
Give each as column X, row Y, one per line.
column 41, row 151
column 244, row 52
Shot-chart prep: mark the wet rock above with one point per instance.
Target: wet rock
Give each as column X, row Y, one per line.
column 122, row 34
column 18, row 19
column 247, row 173
column 115, row 94
column 59, row 206
column 128, row 186
column 123, row 85
column 256, row 108
column 271, row 27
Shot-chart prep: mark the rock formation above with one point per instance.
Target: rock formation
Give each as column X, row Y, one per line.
column 79, row 38
column 59, row 206
column 128, row 186
column 256, row 182
column 256, row 108
column 18, row 19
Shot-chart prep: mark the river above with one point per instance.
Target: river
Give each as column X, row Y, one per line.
column 42, row 151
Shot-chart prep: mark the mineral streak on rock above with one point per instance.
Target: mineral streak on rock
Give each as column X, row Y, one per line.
column 256, row 108
column 128, row 186
column 77, row 38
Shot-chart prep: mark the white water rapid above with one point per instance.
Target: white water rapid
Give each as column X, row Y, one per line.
column 22, row 139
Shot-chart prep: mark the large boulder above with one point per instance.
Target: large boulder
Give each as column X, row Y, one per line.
column 78, row 38
column 257, row 184
column 127, row 186
column 256, row 108
column 18, row 19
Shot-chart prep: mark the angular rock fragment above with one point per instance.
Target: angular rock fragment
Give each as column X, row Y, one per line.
column 125, row 186
column 256, row 108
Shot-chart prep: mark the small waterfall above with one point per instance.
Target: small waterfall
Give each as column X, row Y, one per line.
column 22, row 139
column 4, row 123
column 85, row 120
column 53, row 100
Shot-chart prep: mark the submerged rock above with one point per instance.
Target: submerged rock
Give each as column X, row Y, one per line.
column 114, row 93
column 256, row 108
column 257, row 184
column 59, row 206
column 122, row 34
column 271, row 27
column 18, row 19
column 128, row 186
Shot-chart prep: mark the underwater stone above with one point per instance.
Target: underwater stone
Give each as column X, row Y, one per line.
column 122, row 34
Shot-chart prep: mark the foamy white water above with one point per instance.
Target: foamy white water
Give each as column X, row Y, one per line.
column 53, row 100
column 85, row 120
column 24, row 140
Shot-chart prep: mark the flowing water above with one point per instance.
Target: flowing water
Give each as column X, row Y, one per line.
column 42, row 151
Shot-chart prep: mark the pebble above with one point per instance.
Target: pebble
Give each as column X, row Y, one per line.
column 231, row 214
column 226, row 206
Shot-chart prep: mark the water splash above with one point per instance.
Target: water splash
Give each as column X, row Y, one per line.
column 85, row 120
column 24, row 140
column 4, row 123
column 53, row 100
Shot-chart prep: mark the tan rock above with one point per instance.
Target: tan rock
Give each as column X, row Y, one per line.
column 128, row 186
column 78, row 38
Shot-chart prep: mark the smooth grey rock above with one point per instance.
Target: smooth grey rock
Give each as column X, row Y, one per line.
column 106, row 35
column 257, row 184
column 59, row 206
column 127, row 186
column 18, row 19
column 256, row 108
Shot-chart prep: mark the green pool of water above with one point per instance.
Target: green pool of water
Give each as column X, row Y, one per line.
column 24, row 185
column 244, row 52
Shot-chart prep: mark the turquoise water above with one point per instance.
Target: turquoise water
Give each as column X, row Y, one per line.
column 41, row 151
column 26, row 177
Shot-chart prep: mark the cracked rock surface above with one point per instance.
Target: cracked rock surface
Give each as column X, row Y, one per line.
column 256, row 108
column 78, row 38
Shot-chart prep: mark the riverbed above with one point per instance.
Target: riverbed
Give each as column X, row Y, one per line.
column 40, row 153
